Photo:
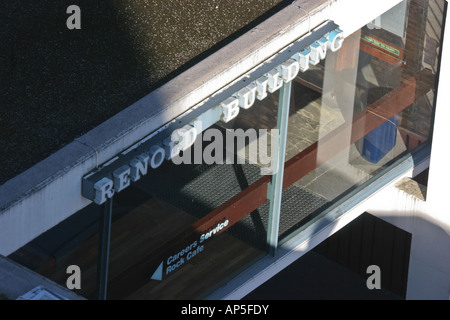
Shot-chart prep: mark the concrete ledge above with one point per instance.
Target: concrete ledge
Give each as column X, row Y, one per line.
column 16, row 280
column 412, row 188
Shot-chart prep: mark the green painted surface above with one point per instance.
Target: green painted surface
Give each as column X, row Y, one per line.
column 380, row 44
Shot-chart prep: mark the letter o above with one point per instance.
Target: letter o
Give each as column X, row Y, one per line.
column 156, row 156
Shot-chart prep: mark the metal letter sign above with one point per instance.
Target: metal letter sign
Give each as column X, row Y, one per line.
column 168, row 141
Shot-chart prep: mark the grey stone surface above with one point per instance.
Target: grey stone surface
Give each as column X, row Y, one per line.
column 412, row 188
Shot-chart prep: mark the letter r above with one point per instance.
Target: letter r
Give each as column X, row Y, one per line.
column 103, row 189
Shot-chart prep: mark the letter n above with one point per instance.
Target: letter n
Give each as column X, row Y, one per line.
column 374, row 281
column 74, row 21
column 74, row 281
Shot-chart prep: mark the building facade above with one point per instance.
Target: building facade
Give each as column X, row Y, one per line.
column 218, row 180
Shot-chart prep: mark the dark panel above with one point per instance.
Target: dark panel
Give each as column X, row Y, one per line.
column 399, row 259
column 356, row 245
column 322, row 248
column 406, row 255
column 344, row 247
column 333, row 247
column 382, row 249
column 367, row 241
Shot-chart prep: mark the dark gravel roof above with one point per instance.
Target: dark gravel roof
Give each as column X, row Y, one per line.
column 56, row 84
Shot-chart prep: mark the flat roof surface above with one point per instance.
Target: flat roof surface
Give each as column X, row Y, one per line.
column 57, row 84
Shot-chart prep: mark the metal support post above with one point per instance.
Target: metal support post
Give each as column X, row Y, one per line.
column 276, row 186
column 103, row 249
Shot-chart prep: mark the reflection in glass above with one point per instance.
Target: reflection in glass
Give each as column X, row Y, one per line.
column 361, row 109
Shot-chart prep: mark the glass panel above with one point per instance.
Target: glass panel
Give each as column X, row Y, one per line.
column 173, row 235
column 170, row 235
column 361, row 108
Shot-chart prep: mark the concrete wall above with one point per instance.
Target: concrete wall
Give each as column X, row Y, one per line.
column 429, row 268
column 426, row 217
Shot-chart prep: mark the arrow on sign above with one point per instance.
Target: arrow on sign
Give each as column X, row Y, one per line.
column 157, row 275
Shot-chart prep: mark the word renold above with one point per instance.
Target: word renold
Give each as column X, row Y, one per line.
column 183, row 138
